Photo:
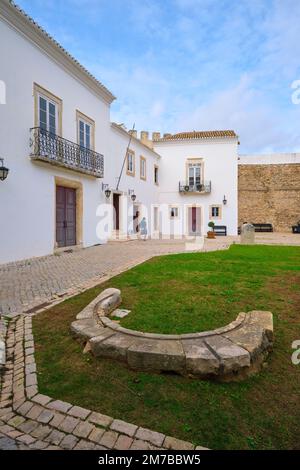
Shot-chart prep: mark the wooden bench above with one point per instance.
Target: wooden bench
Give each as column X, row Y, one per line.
column 260, row 228
column 220, row 230
column 263, row 227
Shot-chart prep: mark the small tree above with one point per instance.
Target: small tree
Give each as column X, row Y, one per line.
column 211, row 225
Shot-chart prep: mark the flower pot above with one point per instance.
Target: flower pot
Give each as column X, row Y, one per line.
column 211, row 234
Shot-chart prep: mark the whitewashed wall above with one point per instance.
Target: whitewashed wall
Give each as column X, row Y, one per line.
column 27, row 197
column 269, row 159
column 146, row 191
column 220, row 167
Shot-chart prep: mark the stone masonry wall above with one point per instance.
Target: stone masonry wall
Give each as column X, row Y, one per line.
column 269, row 194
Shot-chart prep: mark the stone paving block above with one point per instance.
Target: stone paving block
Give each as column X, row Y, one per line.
column 59, row 405
column 69, row 442
column 57, row 419
column 46, row 416
column 55, row 437
column 155, row 438
column 26, row 439
column 35, row 411
column 6, row 443
column 31, row 391
column 84, row 445
column 28, row 426
column 41, row 399
column 16, row 421
column 100, row 419
column 123, row 442
column 41, row 431
column 96, row 434
column 25, row 408
column 109, row 439
column 83, row 429
column 39, row 445
column 140, row 445
column 79, row 412
column 68, row 424
column 123, row 427
column 177, row 444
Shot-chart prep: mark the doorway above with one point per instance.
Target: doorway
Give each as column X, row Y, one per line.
column 116, row 206
column 194, row 220
column 65, row 216
column 136, row 219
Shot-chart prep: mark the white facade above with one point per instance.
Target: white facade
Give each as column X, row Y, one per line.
column 34, row 67
column 269, row 159
column 218, row 161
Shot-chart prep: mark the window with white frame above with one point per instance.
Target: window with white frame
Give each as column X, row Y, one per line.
column 216, row 211
column 48, row 114
column 194, row 173
column 142, row 168
column 130, row 163
column 47, row 110
column 84, row 134
column 174, row 212
column 85, row 131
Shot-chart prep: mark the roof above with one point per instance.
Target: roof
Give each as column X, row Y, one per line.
column 13, row 14
column 121, row 128
column 198, row 135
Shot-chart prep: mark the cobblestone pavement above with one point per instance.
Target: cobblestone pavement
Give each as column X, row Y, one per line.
column 30, row 420
column 28, row 284
column 24, row 285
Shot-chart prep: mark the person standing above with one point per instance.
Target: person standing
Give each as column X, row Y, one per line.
column 143, row 229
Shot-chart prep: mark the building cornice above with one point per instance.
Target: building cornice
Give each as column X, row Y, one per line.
column 23, row 23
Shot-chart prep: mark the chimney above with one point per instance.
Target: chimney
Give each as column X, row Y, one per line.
column 133, row 133
column 155, row 136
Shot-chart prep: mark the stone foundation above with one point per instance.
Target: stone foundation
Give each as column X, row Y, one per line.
column 227, row 353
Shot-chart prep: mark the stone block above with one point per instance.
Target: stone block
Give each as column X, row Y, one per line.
column 159, row 355
column 200, row 361
column 232, row 357
column 114, row 346
column 123, row 427
column 156, row 438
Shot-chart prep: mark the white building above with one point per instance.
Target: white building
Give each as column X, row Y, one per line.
column 63, row 153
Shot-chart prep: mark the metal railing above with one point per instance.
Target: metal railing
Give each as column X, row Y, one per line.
column 186, row 187
column 49, row 147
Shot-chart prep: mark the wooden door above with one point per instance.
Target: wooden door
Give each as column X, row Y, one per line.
column 65, row 216
column 194, row 220
column 116, row 204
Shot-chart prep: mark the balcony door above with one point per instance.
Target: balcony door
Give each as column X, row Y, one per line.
column 48, row 115
column 65, row 216
column 194, row 175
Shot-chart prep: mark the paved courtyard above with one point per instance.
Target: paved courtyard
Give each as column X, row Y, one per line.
column 34, row 283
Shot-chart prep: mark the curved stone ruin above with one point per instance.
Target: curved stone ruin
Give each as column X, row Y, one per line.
column 228, row 353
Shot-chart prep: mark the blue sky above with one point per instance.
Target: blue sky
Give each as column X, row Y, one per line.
column 178, row 65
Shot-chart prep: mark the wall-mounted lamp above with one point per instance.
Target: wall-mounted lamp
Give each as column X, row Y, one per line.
column 224, row 200
column 131, row 194
column 3, row 170
column 107, row 191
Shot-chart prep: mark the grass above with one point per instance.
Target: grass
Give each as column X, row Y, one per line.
column 182, row 293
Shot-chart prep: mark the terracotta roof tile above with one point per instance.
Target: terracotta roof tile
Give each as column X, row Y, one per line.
column 199, row 135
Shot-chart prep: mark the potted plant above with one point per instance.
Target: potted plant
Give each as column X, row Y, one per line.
column 211, row 233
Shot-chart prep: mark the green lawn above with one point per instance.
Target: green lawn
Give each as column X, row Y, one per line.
column 184, row 293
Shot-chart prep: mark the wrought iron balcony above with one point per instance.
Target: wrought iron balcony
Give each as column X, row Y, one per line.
column 200, row 188
column 51, row 148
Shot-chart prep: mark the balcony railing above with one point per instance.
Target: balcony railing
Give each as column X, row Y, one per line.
column 201, row 188
column 53, row 149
